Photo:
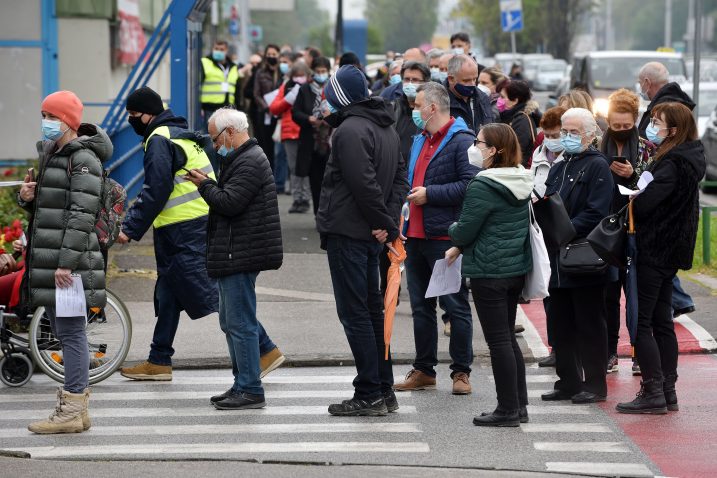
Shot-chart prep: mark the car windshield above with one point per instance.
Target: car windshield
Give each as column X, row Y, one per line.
column 614, row 73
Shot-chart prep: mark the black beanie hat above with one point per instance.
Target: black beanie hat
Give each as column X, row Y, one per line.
column 145, row 100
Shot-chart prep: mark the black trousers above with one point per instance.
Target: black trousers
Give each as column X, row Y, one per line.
column 496, row 301
column 264, row 133
column 580, row 338
column 316, row 177
column 656, row 342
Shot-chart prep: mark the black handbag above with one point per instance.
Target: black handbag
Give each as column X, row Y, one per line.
column 609, row 237
column 553, row 218
column 579, row 259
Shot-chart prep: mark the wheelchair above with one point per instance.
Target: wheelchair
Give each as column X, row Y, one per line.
column 109, row 333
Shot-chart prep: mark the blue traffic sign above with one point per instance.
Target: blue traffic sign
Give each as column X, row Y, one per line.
column 511, row 21
column 233, row 27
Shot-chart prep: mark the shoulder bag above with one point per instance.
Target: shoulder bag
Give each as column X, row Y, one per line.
column 553, row 217
column 609, row 237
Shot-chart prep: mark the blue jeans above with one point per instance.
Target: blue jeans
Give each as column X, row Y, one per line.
column 71, row 333
column 354, row 274
column 169, row 308
column 237, row 319
column 281, row 167
column 680, row 298
column 422, row 255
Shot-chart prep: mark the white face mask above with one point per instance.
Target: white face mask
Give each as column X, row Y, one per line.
column 475, row 156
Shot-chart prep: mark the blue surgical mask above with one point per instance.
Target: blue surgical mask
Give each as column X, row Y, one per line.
column 218, row 55
column 458, row 51
column 435, row 74
column 223, row 150
column 321, row 79
column 572, row 144
column 442, row 76
column 51, row 130
column 284, row 68
column 332, row 110
column 395, row 79
column 652, row 132
column 409, row 89
column 553, row 145
column 418, row 120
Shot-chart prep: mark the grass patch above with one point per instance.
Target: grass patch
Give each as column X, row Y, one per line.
column 698, row 264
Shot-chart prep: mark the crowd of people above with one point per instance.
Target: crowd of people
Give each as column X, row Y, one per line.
column 462, row 148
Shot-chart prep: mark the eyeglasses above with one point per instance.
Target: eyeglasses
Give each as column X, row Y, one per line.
column 564, row 132
column 477, row 142
column 214, row 139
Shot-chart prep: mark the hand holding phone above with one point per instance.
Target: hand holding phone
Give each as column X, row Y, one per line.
column 620, row 159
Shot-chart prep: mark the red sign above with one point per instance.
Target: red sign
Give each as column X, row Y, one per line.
column 131, row 35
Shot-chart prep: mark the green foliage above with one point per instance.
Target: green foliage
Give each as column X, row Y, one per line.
column 403, row 24
column 697, row 262
column 294, row 27
column 375, row 40
column 321, row 38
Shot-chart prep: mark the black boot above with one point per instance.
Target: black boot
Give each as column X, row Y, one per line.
column 498, row 418
column 670, row 393
column 650, row 399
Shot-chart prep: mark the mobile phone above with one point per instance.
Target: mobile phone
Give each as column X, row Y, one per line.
column 31, row 173
column 620, row 159
column 186, row 170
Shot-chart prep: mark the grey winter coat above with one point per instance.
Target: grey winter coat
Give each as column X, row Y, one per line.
column 61, row 229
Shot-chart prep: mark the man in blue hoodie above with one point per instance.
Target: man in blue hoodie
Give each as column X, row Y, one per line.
column 438, row 172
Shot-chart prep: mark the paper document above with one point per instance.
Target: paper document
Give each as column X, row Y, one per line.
column 642, row 183
column 445, row 279
column 6, row 184
column 70, row 301
column 269, row 97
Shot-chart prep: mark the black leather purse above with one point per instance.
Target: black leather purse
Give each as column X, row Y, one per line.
column 579, row 259
column 553, row 218
column 609, row 237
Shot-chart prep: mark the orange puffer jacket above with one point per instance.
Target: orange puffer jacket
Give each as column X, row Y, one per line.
column 281, row 108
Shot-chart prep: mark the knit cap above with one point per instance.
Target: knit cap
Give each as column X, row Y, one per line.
column 145, row 100
column 346, row 87
column 66, row 106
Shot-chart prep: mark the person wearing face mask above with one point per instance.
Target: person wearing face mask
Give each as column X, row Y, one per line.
column 655, row 85
column 577, row 302
column 314, row 145
column 390, row 87
column 219, row 77
column 521, row 113
column 666, row 216
column 460, row 43
column 434, row 59
column 443, row 67
column 244, row 239
column 62, row 202
column 281, row 107
column 491, row 78
column 493, row 233
column 268, row 78
column 467, row 101
column 438, row 172
column 173, row 209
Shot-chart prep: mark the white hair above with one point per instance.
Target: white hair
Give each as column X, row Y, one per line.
column 434, row 53
column 456, row 63
column 229, row 117
column 656, row 72
column 587, row 118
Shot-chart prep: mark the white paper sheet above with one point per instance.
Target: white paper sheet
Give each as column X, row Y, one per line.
column 269, row 97
column 5, row 184
column 70, row 301
column 645, row 179
column 445, row 279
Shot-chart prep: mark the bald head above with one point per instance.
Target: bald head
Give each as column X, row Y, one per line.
column 415, row 54
column 443, row 61
column 652, row 77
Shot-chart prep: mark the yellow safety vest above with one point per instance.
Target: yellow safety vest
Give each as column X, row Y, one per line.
column 218, row 82
column 185, row 203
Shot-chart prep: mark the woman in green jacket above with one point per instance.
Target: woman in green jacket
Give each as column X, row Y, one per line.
column 493, row 233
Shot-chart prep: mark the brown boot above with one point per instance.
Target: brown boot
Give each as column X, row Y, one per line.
column 270, row 361
column 416, row 380
column 86, row 410
column 67, row 417
column 461, row 384
column 148, row 371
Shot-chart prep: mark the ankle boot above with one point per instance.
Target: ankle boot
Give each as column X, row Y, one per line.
column 85, row 410
column 670, row 394
column 66, row 418
column 650, row 400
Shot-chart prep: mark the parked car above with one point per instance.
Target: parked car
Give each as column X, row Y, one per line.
column 531, row 62
column 549, row 75
column 707, row 103
column 506, row 60
column 562, row 89
column 709, row 139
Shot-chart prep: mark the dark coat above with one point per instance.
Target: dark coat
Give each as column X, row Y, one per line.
column 300, row 113
column 365, row 182
column 265, row 81
column 405, row 127
column 462, row 109
column 446, row 178
column 667, row 211
column 588, row 203
column 62, row 221
column 668, row 93
column 244, row 233
column 522, row 118
column 180, row 249
column 392, row 92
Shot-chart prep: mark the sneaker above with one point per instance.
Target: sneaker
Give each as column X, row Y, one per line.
column 636, row 367
column 548, row 361
column 295, row 207
column 416, row 380
column 148, row 371
column 447, row 329
column 518, row 329
column 461, row 384
column 612, row 364
column 357, row 407
column 270, row 361
column 240, row 401
column 222, row 396
column 391, row 403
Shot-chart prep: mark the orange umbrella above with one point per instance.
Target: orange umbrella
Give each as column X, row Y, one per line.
column 396, row 254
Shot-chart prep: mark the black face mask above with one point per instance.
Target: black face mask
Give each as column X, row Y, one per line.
column 622, row 135
column 272, row 61
column 136, row 123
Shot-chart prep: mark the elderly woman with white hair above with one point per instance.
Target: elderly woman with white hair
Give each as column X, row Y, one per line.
column 244, row 238
column 577, row 303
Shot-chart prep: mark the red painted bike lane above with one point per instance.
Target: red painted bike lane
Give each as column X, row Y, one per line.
column 681, row 443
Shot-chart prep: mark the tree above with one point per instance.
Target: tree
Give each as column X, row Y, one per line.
column 403, row 24
column 294, row 27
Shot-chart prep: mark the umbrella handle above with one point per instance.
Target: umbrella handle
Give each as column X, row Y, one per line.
column 631, row 218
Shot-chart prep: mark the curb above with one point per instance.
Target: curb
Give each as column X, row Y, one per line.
column 14, row 454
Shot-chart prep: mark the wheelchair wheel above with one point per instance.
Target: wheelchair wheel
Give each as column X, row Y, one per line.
column 109, row 333
column 15, row 369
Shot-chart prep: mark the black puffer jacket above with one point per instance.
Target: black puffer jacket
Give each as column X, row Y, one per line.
column 671, row 92
column 244, row 233
column 365, row 183
column 667, row 212
column 523, row 118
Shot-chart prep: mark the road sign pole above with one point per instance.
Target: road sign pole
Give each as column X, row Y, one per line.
column 696, row 59
column 512, row 45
